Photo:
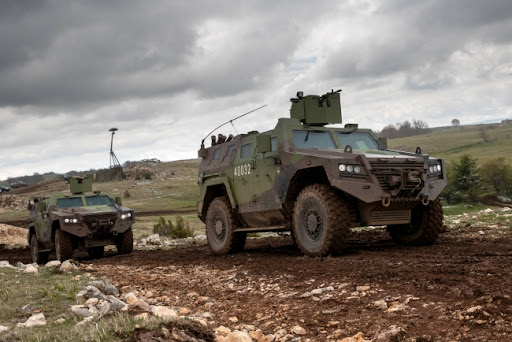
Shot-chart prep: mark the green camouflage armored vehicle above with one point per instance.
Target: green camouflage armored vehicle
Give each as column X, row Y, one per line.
column 83, row 220
column 317, row 182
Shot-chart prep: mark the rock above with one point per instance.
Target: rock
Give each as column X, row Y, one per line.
column 392, row 333
column 105, row 286
column 60, row 320
column 68, row 266
column 165, row 313
column 474, row 309
column 81, row 310
column 306, row 295
column 381, row 304
column 3, row 328
column 6, row 264
column 222, row 331
column 53, row 263
column 91, row 301
column 19, row 264
column 142, row 317
column 237, row 336
column 233, row 319
column 362, row 288
column 154, row 240
column 130, row 298
column 30, row 269
column 28, row 308
column 256, row 335
column 481, row 232
column 115, row 304
column 298, row 330
column 184, row 311
column 84, row 321
column 141, row 304
column 397, row 307
column 103, row 307
column 359, row 337
column 91, row 292
column 32, row 321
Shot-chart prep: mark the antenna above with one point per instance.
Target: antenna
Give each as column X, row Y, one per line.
column 231, row 122
column 114, row 162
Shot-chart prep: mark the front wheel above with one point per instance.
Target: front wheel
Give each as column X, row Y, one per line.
column 321, row 220
column 37, row 256
column 124, row 242
column 63, row 246
column 426, row 223
column 220, row 226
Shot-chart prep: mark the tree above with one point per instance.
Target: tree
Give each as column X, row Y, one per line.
column 455, row 123
column 467, row 180
column 498, row 173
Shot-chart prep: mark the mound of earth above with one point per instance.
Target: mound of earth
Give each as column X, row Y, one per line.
column 11, row 235
column 11, row 202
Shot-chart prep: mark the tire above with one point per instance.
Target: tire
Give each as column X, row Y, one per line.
column 37, row 256
column 321, row 221
column 96, row 252
column 426, row 223
column 124, row 242
column 220, row 226
column 63, row 246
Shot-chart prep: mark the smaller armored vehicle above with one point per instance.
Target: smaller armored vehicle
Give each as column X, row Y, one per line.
column 84, row 220
column 317, row 182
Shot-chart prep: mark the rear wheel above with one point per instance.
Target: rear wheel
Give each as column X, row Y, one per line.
column 96, row 252
column 63, row 245
column 37, row 256
column 124, row 242
column 321, row 220
column 220, row 226
column 426, row 223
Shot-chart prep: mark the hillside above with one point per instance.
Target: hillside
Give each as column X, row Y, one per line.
column 453, row 142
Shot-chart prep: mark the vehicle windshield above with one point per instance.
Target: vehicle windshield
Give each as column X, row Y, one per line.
column 98, row 200
column 70, row 202
column 313, row 139
column 361, row 141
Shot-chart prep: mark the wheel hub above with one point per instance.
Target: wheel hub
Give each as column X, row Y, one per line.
column 219, row 227
column 313, row 223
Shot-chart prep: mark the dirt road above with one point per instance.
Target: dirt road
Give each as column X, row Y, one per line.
column 457, row 290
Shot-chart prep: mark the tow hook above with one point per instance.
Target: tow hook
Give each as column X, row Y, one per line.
column 115, row 232
column 425, row 200
column 386, row 201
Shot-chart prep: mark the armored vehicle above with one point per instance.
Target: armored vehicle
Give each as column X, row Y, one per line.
column 83, row 220
column 317, row 182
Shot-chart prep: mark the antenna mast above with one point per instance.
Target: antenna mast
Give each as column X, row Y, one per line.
column 114, row 162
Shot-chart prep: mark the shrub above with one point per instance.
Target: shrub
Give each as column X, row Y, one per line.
column 180, row 230
column 466, row 179
column 126, row 194
column 498, row 173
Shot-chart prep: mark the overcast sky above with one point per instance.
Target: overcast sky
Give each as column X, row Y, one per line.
column 165, row 73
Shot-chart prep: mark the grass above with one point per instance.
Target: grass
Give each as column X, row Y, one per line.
column 452, row 142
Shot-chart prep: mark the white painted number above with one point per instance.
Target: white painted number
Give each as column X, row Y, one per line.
column 242, row 170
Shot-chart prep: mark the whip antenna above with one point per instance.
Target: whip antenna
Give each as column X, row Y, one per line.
column 231, row 122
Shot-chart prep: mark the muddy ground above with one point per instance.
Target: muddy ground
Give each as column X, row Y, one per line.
column 456, row 290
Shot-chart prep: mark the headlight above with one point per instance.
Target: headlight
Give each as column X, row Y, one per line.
column 342, row 167
column 438, row 166
column 75, row 220
column 126, row 216
column 66, row 220
column 350, row 168
column 357, row 169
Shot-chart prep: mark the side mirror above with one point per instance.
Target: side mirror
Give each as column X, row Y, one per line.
column 383, row 143
column 41, row 206
column 263, row 143
column 119, row 201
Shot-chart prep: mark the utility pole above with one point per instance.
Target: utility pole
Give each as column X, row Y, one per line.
column 113, row 159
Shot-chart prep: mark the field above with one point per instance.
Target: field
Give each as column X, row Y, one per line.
column 452, row 142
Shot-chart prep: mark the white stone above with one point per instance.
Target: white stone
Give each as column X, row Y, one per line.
column 53, row 263
column 115, row 304
column 233, row 319
column 154, row 240
column 381, row 304
column 397, row 307
column 474, row 309
column 80, row 310
column 68, row 266
column 165, row 313
column 238, row 336
column 32, row 321
column 130, row 298
column 6, row 264
column 30, row 269
column 3, row 328
column 298, row 330
column 362, row 288
column 222, row 331
column 392, row 333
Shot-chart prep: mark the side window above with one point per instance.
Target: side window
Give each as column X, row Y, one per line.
column 245, row 151
column 231, row 148
column 216, row 154
column 273, row 143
